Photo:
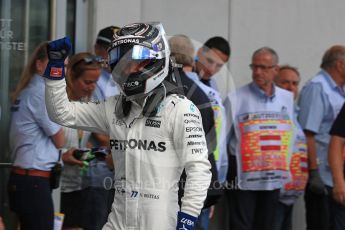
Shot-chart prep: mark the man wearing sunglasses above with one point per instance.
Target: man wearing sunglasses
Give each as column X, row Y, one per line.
column 155, row 133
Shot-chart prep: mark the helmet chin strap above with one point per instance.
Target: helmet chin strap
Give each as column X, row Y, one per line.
column 148, row 102
column 150, row 106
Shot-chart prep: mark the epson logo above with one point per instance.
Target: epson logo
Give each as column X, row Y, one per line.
column 153, row 123
column 127, row 40
column 137, row 144
column 193, row 129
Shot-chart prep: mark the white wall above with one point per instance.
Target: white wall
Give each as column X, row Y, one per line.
column 300, row 31
column 199, row 20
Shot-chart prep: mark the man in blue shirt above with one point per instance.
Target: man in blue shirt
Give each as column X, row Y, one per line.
column 106, row 87
column 289, row 78
column 320, row 101
column 260, row 116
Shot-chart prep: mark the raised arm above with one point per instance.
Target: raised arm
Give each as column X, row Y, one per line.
column 87, row 116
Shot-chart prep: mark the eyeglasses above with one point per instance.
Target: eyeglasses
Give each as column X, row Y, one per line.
column 262, row 67
column 91, row 60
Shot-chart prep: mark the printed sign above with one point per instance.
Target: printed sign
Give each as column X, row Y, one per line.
column 7, row 36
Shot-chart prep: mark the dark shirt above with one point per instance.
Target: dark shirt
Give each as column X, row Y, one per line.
column 194, row 93
column 338, row 127
column 206, row 82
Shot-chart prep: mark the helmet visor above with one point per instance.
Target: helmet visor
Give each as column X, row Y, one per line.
column 136, row 52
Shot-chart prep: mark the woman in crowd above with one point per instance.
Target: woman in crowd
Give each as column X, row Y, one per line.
column 83, row 71
column 34, row 143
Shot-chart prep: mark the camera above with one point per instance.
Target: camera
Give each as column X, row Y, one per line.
column 80, row 154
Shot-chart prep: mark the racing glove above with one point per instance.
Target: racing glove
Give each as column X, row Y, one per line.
column 185, row 221
column 58, row 50
column 315, row 183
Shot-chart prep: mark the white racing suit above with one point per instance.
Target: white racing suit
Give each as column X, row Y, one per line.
column 149, row 154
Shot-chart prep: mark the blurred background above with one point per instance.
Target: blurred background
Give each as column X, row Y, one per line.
column 300, row 32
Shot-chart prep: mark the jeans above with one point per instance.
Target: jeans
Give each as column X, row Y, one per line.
column 203, row 220
column 97, row 206
column 30, row 198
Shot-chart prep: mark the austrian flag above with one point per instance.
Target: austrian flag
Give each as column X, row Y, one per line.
column 270, row 143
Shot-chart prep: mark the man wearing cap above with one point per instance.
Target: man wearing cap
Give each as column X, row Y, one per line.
column 106, row 87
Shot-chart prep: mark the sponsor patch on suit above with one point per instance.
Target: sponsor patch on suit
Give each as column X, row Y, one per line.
column 153, row 123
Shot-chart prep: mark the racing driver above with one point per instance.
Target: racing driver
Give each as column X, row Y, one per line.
column 154, row 132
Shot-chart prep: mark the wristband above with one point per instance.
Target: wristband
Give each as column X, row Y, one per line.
column 185, row 221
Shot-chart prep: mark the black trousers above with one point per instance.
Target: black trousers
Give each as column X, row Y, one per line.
column 317, row 210
column 252, row 210
column 96, row 207
column 283, row 217
column 249, row 210
column 323, row 212
column 30, row 198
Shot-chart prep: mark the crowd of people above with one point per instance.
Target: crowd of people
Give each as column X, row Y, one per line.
column 138, row 136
